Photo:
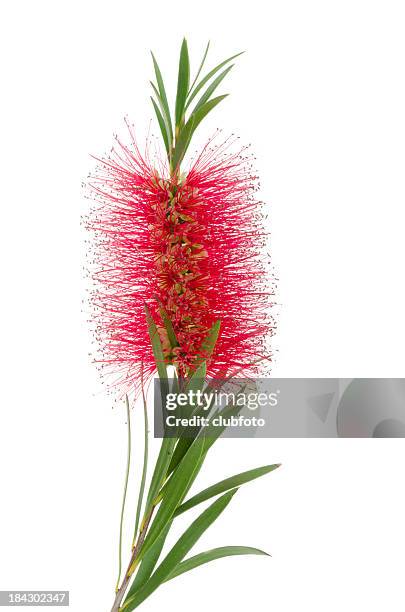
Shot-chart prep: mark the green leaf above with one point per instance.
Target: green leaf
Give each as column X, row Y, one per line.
column 197, row 379
column 151, row 557
column 177, row 487
column 225, row 485
column 199, row 115
column 168, row 444
column 159, row 473
column 125, row 488
column 200, row 68
column 208, row 76
column 166, row 120
column 148, row 563
column 207, row 348
column 211, row 433
column 212, row 555
column 184, row 443
column 179, row 551
column 182, row 143
column 168, row 325
column 210, row 90
column 183, row 82
column 163, row 96
column 162, row 125
column 145, row 462
column 156, row 346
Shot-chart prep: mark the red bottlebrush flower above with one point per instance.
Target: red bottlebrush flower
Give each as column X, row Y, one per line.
column 180, row 275
column 192, row 244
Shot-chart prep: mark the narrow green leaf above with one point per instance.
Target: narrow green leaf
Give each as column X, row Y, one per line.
column 208, row 76
column 182, row 143
column 162, row 93
column 125, row 489
column 183, row 82
column 212, row 555
column 168, row 325
column 210, row 90
column 177, row 488
column 166, row 119
column 179, row 551
column 156, row 348
column 151, row 557
column 197, row 379
column 145, row 461
column 160, row 471
column 182, row 447
column 148, row 563
column 200, row 68
column 211, row 433
column 203, row 111
column 195, row 383
column 162, row 125
column 225, row 485
column 168, row 444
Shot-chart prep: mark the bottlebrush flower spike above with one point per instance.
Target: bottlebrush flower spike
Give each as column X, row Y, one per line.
column 191, row 246
column 180, row 271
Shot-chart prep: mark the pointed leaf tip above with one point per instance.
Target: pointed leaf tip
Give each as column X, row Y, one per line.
column 212, row 555
column 183, row 82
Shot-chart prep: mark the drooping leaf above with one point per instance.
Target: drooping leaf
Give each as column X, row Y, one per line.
column 179, row 551
column 225, row 485
column 208, row 77
column 212, row 555
column 183, row 82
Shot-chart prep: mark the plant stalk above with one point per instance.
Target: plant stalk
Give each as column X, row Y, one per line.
column 128, row 574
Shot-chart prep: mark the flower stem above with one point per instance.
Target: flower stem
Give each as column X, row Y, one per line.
column 121, row 591
column 125, row 494
column 145, row 462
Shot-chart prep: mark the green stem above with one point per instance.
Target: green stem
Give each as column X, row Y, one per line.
column 132, row 565
column 125, row 494
column 145, row 462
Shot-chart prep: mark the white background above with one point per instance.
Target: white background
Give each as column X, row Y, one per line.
column 320, row 95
